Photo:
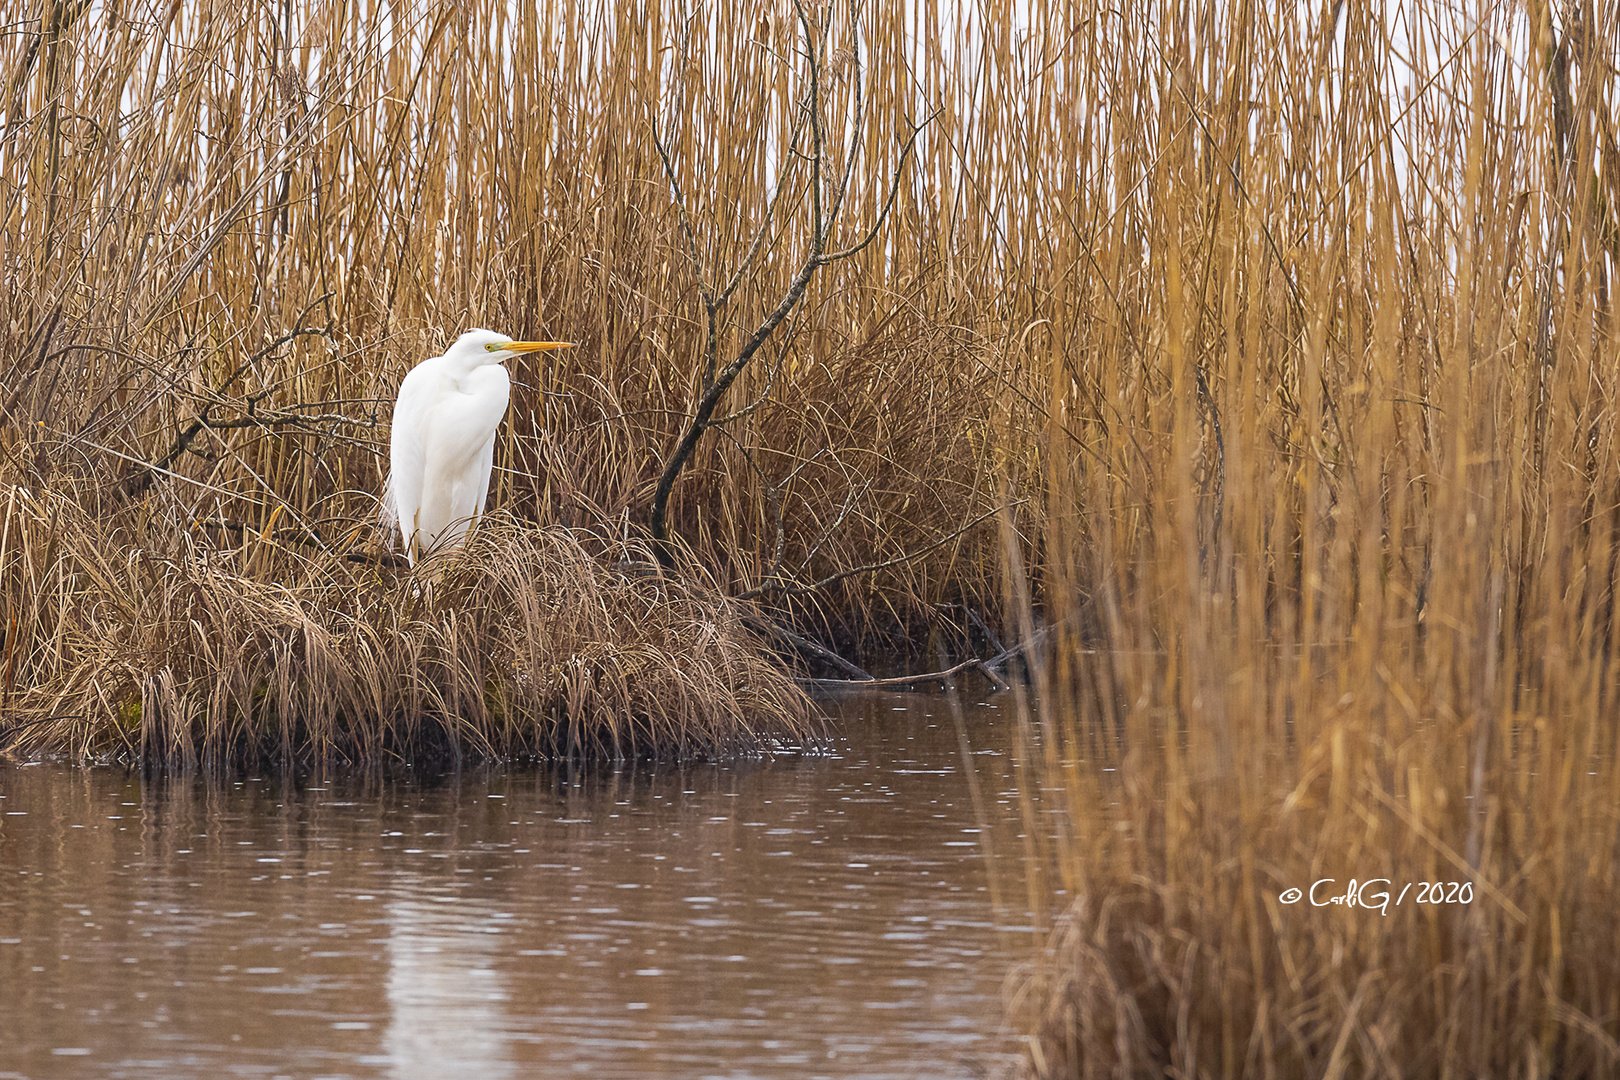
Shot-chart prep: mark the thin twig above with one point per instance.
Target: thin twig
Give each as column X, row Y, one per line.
column 810, row 648
column 888, row 205
column 770, row 381
column 139, row 481
column 765, row 222
column 680, row 206
column 772, row 493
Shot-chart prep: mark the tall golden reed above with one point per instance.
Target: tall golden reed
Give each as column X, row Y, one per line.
column 1292, row 322
column 228, row 231
column 1329, row 551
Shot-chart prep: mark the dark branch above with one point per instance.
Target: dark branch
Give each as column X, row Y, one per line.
column 717, row 383
column 810, row 648
column 141, row 479
column 909, row 680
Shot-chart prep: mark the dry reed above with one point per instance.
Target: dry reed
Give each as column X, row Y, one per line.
column 190, row 190
column 226, row 233
column 1329, row 542
column 1296, row 324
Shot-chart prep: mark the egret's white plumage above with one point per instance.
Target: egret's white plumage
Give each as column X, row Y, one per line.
column 443, row 442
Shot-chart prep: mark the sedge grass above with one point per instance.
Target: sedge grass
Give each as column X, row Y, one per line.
column 523, row 644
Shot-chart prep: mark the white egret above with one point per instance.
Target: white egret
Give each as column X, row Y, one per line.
column 443, row 445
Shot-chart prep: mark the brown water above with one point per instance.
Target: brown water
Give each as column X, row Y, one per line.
column 801, row 917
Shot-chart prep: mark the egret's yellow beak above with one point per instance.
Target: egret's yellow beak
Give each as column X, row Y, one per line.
column 528, row 346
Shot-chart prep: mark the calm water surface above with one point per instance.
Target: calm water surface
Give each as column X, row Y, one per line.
column 802, row 917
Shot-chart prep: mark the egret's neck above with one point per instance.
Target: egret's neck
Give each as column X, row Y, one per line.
column 460, row 368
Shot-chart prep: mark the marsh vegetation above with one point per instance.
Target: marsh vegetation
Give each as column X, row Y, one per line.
column 1278, row 345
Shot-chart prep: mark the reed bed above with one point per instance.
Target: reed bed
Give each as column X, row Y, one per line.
column 226, row 234
column 1278, row 341
column 1328, row 556
column 261, row 220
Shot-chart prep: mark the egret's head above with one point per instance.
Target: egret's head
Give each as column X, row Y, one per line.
column 486, row 346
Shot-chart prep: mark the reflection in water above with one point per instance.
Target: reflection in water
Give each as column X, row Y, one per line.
column 443, row 987
column 801, row 917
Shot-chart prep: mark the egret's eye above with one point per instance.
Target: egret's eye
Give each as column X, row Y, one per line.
column 495, row 346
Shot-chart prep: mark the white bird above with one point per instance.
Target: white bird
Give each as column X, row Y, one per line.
column 443, row 445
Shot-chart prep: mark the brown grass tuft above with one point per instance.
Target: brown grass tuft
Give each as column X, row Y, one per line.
column 523, row 644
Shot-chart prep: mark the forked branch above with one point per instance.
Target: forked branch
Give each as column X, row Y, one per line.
column 718, row 380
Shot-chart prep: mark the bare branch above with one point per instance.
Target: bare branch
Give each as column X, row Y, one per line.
column 140, row 480
column 852, row 153
column 805, row 464
column 299, row 330
column 711, row 400
column 810, row 648
column 772, row 493
column 686, row 221
column 888, row 205
column 765, row 223
column 908, row 680
column 819, row 229
column 843, row 514
column 770, row 380
column 717, row 383
column 711, row 342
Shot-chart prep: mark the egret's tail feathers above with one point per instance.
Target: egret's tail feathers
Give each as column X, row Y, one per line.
column 388, row 516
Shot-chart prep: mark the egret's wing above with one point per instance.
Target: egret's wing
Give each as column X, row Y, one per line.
column 486, row 469
column 459, row 453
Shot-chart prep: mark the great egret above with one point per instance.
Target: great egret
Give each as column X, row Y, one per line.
column 443, row 444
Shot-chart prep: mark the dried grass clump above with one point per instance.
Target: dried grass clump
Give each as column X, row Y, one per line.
column 523, row 644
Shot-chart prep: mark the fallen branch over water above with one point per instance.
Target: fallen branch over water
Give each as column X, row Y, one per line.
column 860, row 678
column 870, row 683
